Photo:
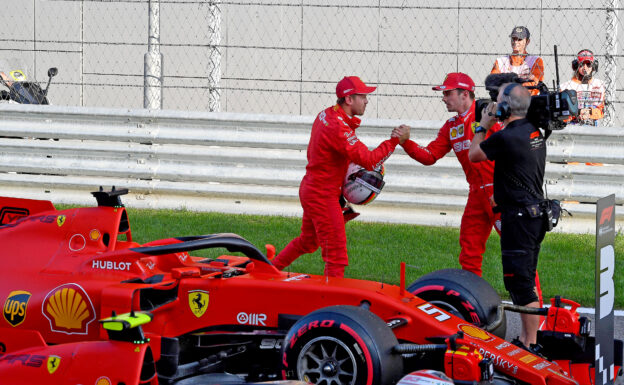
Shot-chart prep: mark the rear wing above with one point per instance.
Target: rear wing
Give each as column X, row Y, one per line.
column 11, row 209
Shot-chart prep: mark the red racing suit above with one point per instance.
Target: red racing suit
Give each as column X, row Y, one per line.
column 333, row 145
column 478, row 218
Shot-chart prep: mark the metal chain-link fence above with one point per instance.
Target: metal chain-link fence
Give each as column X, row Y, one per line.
column 285, row 56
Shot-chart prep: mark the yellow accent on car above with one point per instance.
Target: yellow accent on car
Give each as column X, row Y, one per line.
column 126, row 321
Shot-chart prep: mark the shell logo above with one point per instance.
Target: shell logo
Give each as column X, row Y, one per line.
column 103, row 380
column 69, row 309
column 94, row 234
column 475, row 332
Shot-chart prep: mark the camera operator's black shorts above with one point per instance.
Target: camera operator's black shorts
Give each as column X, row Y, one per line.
column 521, row 237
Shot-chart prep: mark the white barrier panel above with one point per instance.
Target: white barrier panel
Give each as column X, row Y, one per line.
column 237, row 163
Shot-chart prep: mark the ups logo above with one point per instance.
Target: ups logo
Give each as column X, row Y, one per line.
column 15, row 307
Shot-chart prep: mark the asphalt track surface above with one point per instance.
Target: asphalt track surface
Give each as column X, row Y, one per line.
column 513, row 327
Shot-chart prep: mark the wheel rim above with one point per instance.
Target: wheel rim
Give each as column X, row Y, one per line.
column 449, row 308
column 326, row 361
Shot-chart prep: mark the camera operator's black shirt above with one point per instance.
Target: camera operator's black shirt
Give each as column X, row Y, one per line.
column 519, row 152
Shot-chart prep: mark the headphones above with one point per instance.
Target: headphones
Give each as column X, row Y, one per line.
column 576, row 63
column 503, row 110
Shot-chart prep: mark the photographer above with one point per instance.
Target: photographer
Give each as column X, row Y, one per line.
column 519, row 152
column 590, row 91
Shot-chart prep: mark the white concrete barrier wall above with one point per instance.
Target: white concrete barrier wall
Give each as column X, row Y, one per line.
column 239, row 163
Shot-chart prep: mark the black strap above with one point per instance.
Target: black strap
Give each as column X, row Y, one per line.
column 525, row 187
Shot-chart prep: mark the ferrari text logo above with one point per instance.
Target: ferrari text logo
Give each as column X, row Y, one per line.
column 53, row 363
column 69, row 309
column 15, row 307
column 198, row 302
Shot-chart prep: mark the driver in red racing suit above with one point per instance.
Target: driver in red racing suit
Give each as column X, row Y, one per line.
column 457, row 134
column 333, row 145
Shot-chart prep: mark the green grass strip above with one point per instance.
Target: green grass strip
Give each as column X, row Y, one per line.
column 566, row 263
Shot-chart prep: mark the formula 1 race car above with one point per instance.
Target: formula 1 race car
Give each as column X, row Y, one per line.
column 83, row 303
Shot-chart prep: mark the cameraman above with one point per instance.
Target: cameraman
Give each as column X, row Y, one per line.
column 519, row 152
column 590, row 91
column 520, row 62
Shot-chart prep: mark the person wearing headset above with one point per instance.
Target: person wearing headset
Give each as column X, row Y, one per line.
column 519, row 155
column 590, row 91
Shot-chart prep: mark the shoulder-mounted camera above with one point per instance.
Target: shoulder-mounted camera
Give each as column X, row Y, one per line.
column 550, row 110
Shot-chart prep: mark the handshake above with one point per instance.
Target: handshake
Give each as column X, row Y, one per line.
column 402, row 132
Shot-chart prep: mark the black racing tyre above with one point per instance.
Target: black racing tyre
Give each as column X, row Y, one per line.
column 341, row 345
column 463, row 294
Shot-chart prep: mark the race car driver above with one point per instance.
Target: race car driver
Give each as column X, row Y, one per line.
column 590, row 91
column 520, row 62
column 456, row 134
column 333, row 145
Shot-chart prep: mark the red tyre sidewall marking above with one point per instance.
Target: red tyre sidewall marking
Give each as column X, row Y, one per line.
column 300, row 332
column 360, row 341
column 428, row 288
column 467, row 305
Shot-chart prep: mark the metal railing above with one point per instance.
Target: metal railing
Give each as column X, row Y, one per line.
column 286, row 56
column 240, row 163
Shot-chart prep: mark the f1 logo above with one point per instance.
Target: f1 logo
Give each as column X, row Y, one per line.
column 606, row 214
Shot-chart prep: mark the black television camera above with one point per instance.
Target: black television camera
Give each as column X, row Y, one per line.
column 550, row 110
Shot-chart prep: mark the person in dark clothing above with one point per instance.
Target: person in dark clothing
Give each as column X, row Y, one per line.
column 519, row 152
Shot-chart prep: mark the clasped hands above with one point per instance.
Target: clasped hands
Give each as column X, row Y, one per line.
column 402, row 132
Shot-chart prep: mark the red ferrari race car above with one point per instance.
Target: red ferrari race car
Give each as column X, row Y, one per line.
column 83, row 303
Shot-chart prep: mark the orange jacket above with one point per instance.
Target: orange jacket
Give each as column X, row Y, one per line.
column 525, row 66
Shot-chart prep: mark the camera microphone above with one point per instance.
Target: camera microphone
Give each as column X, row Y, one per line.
column 494, row 81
